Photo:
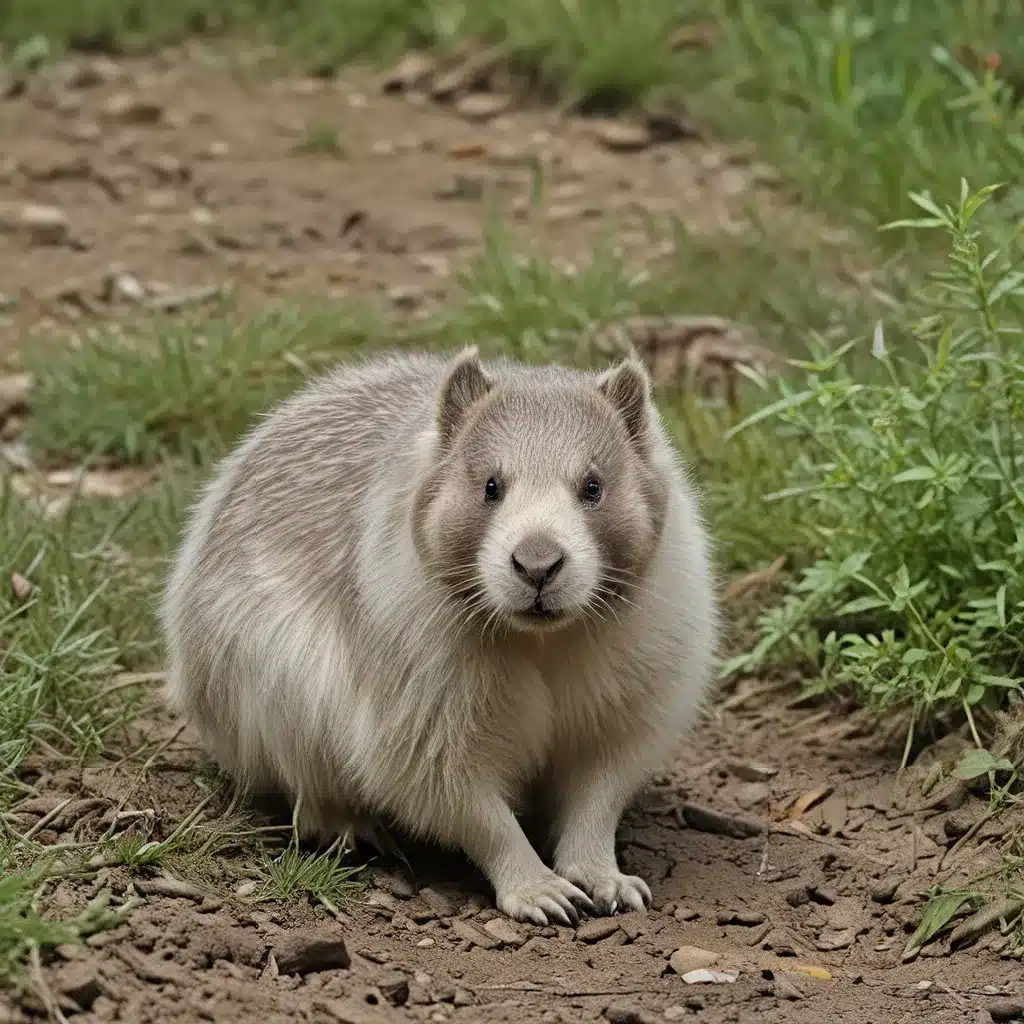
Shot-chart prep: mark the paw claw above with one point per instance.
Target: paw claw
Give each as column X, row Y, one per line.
column 544, row 900
column 612, row 892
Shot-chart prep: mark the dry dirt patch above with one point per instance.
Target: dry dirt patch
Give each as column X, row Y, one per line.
column 157, row 182
column 778, row 847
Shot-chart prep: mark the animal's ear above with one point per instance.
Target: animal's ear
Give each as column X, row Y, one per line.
column 628, row 387
column 464, row 386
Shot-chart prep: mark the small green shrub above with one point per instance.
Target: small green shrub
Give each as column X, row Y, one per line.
column 913, row 483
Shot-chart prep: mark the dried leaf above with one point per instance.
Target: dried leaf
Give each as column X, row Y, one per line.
column 102, row 483
column 467, row 150
column 411, row 72
column 804, row 803
column 699, row 354
column 757, row 578
column 970, row 928
column 21, row 586
column 14, row 392
column 473, row 73
column 697, row 35
column 811, row 971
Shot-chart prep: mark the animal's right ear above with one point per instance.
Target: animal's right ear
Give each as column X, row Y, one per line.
column 464, row 386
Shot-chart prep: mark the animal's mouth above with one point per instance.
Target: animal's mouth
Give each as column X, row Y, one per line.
column 539, row 612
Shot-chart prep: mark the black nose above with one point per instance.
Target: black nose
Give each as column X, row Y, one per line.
column 538, row 560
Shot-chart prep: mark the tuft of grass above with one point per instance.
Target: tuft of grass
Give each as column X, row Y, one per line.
column 181, row 387
column 322, row 876
column 85, row 617
column 321, row 139
column 909, row 482
column 24, row 931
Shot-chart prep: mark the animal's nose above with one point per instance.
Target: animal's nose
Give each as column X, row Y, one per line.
column 538, row 560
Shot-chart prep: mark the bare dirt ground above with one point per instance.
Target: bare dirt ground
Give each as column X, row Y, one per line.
column 188, row 177
column 780, row 845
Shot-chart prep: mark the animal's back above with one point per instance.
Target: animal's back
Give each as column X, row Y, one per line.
column 266, row 578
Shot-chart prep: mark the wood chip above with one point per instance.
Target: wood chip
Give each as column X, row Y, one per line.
column 810, row 970
column 704, row 819
column 467, row 150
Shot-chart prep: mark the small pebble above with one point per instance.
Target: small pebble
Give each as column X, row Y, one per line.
column 597, row 929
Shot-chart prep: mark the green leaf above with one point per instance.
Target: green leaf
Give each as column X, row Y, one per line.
column 936, row 916
column 767, row 411
column 974, row 694
column 29, row 54
column 917, row 473
column 976, row 763
column 861, row 604
column 1011, row 684
column 913, row 222
column 1011, row 282
column 925, row 201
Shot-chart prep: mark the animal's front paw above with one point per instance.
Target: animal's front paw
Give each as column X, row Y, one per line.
column 611, row 891
column 544, row 900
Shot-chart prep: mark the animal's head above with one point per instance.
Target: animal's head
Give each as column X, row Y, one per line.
column 543, row 506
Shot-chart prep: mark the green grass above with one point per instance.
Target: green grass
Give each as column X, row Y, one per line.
column 182, row 387
column 87, row 618
column 323, row 876
column 24, row 931
column 321, row 139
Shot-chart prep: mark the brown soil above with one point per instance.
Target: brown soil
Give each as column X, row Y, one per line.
column 192, row 172
column 779, row 841
column 833, row 887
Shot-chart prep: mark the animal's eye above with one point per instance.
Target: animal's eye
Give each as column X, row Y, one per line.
column 592, row 490
column 492, row 490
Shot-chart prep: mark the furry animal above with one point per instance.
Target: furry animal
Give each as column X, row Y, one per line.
column 423, row 585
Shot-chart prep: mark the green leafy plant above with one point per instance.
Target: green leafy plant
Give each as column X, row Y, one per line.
column 913, row 482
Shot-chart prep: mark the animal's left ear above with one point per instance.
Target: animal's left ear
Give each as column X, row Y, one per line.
column 465, row 385
column 628, row 388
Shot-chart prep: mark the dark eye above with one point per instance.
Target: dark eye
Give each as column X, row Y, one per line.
column 592, row 490
column 492, row 490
